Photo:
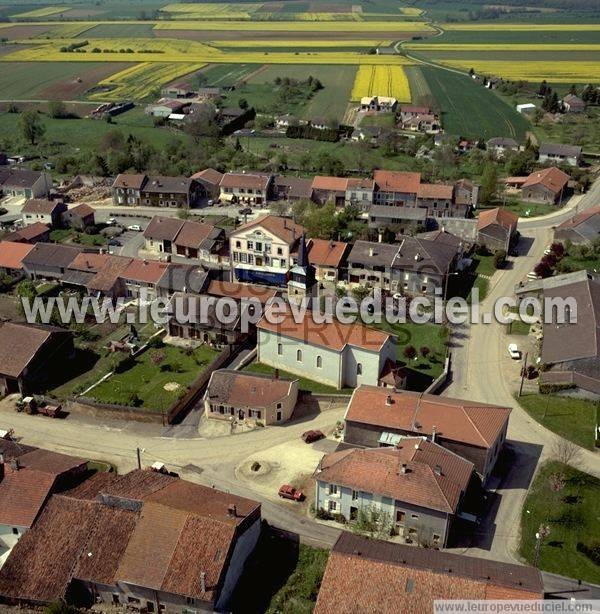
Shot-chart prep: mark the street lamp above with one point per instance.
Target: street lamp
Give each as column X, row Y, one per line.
column 543, row 532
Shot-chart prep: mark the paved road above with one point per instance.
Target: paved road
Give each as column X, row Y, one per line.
column 483, row 371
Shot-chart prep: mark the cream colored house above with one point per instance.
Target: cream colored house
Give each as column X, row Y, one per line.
column 338, row 355
column 250, row 396
column 250, row 188
column 262, row 251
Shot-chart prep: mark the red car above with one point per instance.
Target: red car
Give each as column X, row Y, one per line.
column 310, row 436
column 289, row 492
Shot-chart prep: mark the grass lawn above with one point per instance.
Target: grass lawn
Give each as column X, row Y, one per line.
column 147, row 379
column 572, row 516
column 483, row 285
column 591, row 263
column 471, row 110
column 381, row 120
column 574, row 419
column 522, row 209
column 518, row 327
column 419, row 335
column 68, row 235
column 303, row 383
column 288, row 573
column 484, row 265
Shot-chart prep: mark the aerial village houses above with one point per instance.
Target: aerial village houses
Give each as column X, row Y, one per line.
column 262, row 251
column 581, row 228
column 27, row 480
column 11, row 257
column 475, row 431
column 185, row 238
column 497, row 229
column 260, row 398
column 23, row 183
column 30, row 354
column 157, row 544
column 32, row 234
column 500, row 145
column 210, row 179
column 573, row 104
column 336, row 354
column 362, row 573
column 49, row 260
column 43, row 211
column 251, row 188
column 418, row 484
column 545, row 186
column 328, row 258
column 556, row 153
column 79, row 217
column 157, row 191
column 378, row 104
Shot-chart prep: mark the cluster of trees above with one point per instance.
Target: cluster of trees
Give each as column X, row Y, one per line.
column 324, row 222
column 591, row 94
column 551, row 102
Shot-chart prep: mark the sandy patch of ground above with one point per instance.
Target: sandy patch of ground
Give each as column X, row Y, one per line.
column 171, row 386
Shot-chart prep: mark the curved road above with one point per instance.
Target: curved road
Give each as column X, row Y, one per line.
column 485, row 372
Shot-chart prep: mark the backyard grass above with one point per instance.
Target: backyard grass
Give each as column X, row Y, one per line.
column 470, row 110
column 289, row 574
column 147, row 378
column 522, row 209
column 574, row 419
column 591, row 263
column 68, row 235
column 484, row 265
column 303, row 383
column 419, row 335
column 572, row 517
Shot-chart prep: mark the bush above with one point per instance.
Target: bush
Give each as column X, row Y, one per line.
column 592, row 552
column 339, row 518
column 499, row 259
column 323, row 514
column 553, row 388
column 156, row 342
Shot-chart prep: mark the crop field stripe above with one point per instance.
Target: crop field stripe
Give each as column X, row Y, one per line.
column 291, row 26
column 301, row 43
column 470, row 110
column 550, row 27
column 557, row 71
column 538, row 47
column 386, row 80
column 43, row 12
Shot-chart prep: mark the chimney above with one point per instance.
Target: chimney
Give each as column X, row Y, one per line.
column 403, row 468
column 203, row 581
column 388, row 400
column 371, row 252
column 437, row 470
column 14, row 464
column 1, row 465
column 380, row 237
column 433, row 429
column 231, row 511
column 276, row 373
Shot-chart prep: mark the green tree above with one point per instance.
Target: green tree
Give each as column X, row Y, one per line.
column 57, row 109
column 489, row 181
column 372, row 522
column 31, row 126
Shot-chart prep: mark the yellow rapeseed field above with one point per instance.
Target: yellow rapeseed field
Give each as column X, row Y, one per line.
column 309, row 44
column 554, row 72
column 44, row 12
column 504, row 47
column 163, row 50
column 291, row 26
column 141, row 80
column 381, row 81
column 550, row 27
column 217, row 10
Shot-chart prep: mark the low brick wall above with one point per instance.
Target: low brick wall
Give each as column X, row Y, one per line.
column 126, row 412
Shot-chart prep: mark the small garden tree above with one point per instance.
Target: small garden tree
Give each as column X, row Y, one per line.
column 410, row 352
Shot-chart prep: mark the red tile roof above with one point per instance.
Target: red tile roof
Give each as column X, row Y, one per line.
column 397, row 181
column 415, row 471
column 376, row 577
column 503, row 217
column 145, row 271
column 193, row 233
column 246, row 389
column 108, row 275
column 41, row 205
column 12, row 253
column 31, row 231
column 257, row 181
column 82, row 210
column 283, row 228
column 470, row 422
column 89, row 261
column 330, row 184
column 334, row 336
column 327, row 253
column 238, row 291
column 436, row 190
column 127, row 180
column 552, row 178
column 572, row 222
column 209, row 175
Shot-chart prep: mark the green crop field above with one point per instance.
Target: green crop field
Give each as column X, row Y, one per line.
column 470, row 110
column 125, row 30
column 331, row 101
column 226, row 75
column 564, row 37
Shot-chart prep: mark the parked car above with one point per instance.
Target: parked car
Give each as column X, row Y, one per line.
column 532, row 275
column 111, row 221
column 135, row 227
column 289, row 492
column 514, row 351
column 311, row 436
column 114, row 242
column 245, row 211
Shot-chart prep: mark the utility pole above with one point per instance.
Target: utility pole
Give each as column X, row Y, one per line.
column 139, row 458
column 523, row 374
column 543, row 532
